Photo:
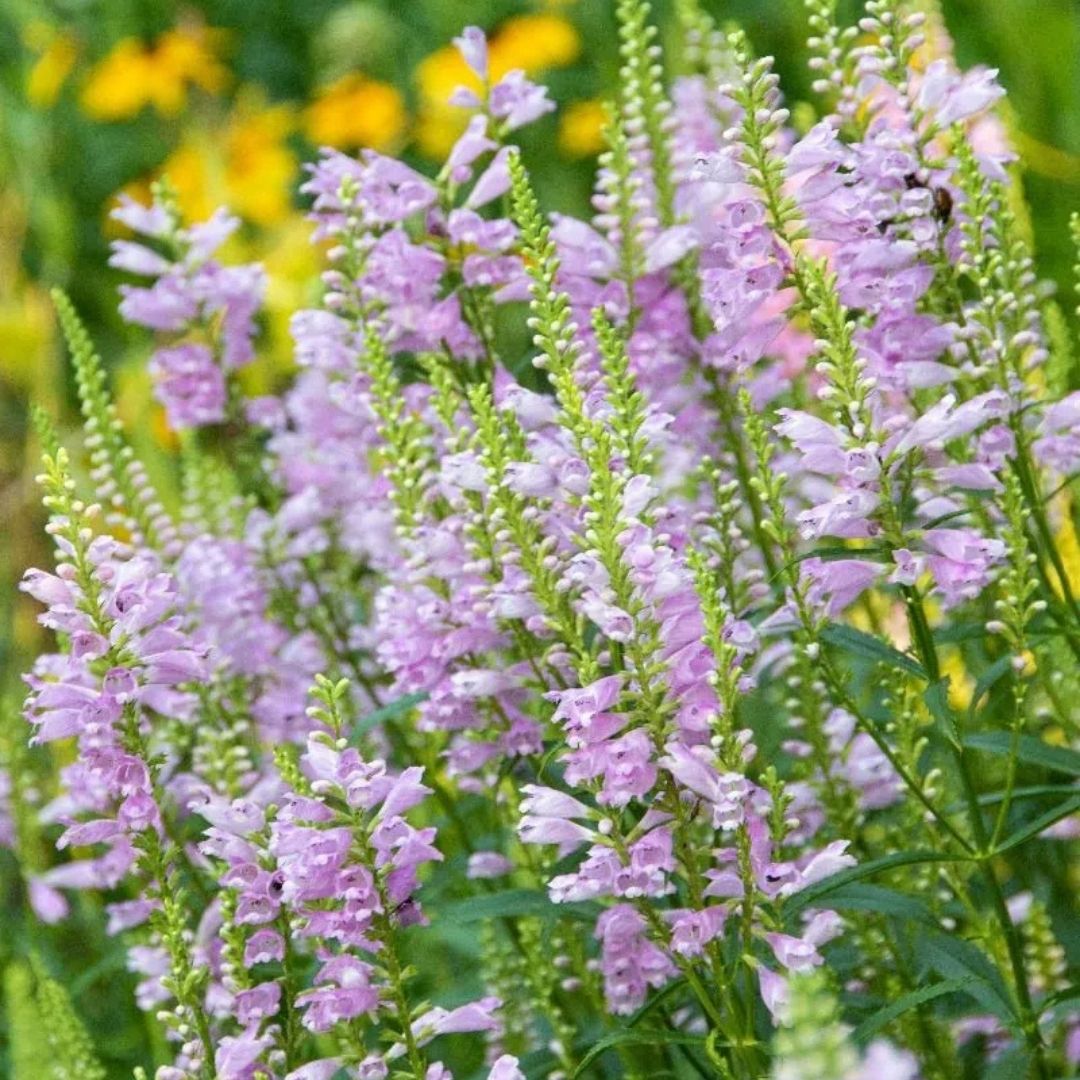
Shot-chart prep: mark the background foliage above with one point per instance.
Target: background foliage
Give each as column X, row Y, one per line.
column 228, row 98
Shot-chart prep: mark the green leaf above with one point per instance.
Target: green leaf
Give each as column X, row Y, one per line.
column 955, row 633
column 1043, row 821
column 656, row 999
column 651, row 1037
column 1070, row 993
column 936, row 697
column 883, row 1017
column 1020, row 794
column 839, row 552
column 111, row 964
column 391, row 711
column 548, row 758
column 813, row 893
column 868, row 647
column 957, row 959
column 1033, row 751
column 881, row 901
column 987, row 680
column 1014, row 1065
column 513, row 903
column 71, row 1049
column 538, row 1063
column 952, row 515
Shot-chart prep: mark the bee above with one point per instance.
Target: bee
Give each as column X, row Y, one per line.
column 943, row 204
column 407, row 912
column 942, row 197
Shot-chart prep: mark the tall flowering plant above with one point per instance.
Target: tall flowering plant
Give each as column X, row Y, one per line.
column 708, row 649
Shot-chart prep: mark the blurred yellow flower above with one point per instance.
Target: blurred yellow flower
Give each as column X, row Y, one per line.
column 292, row 264
column 440, row 73
column 533, row 43
column 117, row 86
column 26, row 313
column 50, row 71
column 191, row 171
column 437, row 76
column 26, row 331
column 259, row 165
column 581, row 128
column 961, row 684
column 140, row 412
column 357, row 111
column 248, row 166
column 1068, row 545
column 135, row 74
column 437, row 128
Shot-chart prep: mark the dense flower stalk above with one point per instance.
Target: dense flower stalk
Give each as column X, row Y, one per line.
column 685, row 599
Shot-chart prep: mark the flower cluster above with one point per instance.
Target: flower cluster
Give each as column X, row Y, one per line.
column 620, row 576
column 191, row 292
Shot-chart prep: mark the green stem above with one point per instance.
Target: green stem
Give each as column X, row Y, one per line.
column 1011, row 770
column 1025, row 474
column 1014, row 945
column 290, row 1029
column 722, row 398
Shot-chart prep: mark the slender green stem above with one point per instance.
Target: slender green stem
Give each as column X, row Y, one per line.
column 1014, row 945
column 1010, row 774
column 290, row 1029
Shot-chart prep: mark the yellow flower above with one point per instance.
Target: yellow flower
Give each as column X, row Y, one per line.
column 961, row 684
column 292, row 263
column 50, row 71
column 191, row 171
column 440, row 123
column 182, row 58
column 116, row 88
column 259, row 166
column 581, row 128
column 437, row 128
column 534, row 43
column 881, row 615
column 26, row 323
column 248, row 166
column 140, row 411
column 1067, row 544
column 135, row 75
column 357, row 111
column 439, row 74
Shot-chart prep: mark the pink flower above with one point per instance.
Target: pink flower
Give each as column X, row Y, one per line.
column 506, row 1068
column 830, row 860
column 472, row 44
column 691, row 931
column 476, row 1016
